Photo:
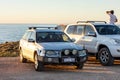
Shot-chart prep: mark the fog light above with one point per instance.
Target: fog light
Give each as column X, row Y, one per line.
column 66, row 52
column 74, row 52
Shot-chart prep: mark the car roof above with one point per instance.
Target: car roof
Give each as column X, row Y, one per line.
column 45, row 30
column 48, row 30
column 90, row 23
column 94, row 24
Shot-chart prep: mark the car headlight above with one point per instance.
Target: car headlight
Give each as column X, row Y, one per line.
column 74, row 52
column 82, row 53
column 66, row 52
column 52, row 53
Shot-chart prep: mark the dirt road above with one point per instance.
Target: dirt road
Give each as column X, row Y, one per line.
column 12, row 69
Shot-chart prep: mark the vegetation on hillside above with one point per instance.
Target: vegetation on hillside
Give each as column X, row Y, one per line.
column 9, row 49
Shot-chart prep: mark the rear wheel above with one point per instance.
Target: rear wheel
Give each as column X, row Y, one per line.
column 22, row 59
column 39, row 66
column 80, row 66
column 105, row 57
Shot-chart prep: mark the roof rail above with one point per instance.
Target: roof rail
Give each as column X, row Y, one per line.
column 91, row 22
column 43, row 27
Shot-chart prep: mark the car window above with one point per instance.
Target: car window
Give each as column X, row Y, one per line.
column 88, row 29
column 52, row 37
column 75, row 29
column 107, row 29
column 26, row 35
column 32, row 36
column 71, row 29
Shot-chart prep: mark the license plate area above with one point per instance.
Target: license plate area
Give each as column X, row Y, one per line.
column 69, row 60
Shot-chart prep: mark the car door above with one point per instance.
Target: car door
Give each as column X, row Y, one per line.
column 31, row 46
column 89, row 41
column 24, row 43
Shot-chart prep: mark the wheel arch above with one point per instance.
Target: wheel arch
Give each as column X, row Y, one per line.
column 99, row 47
column 35, row 52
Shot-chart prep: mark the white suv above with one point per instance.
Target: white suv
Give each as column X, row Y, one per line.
column 99, row 38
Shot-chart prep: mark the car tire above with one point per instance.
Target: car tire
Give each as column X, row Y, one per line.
column 80, row 66
column 105, row 57
column 39, row 66
column 22, row 59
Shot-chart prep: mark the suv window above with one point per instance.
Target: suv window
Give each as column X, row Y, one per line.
column 26, row 36
column 32, row 36
column 75, row 29
column 107, row 29
column 88, row 29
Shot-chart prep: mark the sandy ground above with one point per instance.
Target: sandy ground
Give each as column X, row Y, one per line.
column 12, row 69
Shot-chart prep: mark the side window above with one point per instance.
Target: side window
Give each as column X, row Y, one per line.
column 32, row 36
column 79, row 29
column 75, row 29
column 88, row 29
column 71, row 29
column 26, row 35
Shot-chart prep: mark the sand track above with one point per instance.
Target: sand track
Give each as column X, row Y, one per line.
column 12, row 69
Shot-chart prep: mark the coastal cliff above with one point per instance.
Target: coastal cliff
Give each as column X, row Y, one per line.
column 9, row 49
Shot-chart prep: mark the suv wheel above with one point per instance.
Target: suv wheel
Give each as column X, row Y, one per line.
column 105, row 57
column 38, row 65
column 22, row 59
column 80, row 66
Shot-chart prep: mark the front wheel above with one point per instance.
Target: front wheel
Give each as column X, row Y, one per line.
column 38, row 65
column 105, row 57
column 80, row 66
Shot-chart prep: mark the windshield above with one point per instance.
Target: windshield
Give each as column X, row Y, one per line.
column 52, row 37
column 107, row 29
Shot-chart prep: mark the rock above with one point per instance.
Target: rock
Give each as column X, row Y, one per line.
column 9, row 49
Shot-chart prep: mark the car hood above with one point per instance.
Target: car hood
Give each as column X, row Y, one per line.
column 60, row 45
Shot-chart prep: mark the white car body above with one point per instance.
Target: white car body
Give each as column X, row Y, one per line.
column 47, row 46
column 93, row 43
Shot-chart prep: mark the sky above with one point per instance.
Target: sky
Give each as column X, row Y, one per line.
column 56, row 11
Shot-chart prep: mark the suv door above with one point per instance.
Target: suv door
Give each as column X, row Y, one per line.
column 90, row 41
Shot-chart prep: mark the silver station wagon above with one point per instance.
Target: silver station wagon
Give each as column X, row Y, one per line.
column 47, row 45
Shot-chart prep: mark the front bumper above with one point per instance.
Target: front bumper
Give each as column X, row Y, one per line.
column 62, row 60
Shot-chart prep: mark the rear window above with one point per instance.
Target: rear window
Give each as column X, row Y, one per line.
column 75, row 29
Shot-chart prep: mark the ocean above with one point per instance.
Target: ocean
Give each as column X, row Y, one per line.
column 14, row 32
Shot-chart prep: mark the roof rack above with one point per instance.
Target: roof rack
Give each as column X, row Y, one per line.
column 43, row 27
column 91, row 22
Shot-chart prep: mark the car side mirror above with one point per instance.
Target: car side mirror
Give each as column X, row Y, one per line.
column 73, row 40
column 31, row 40
column 91, row 34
